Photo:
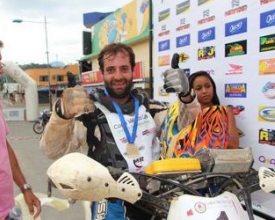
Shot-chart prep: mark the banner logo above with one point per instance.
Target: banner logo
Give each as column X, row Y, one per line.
column 201, row 2
column 235, row 48
column 183, row 40
column 164, row 14
column 182, row 7
column 206, row 13
column 267, row 137
column 267, row 66
column 164, row 45
column 236, row 10
column 211, row 72
column 183, row 57
column 236, row 27
column 164, row 31
column 206, row 17
column 187, row 72
column 206, row 34
column 237, row 109
column 183, row 25
column 263, row 2
column 236, row 90
column 235, row 3
column 267, row 43
column 162, row 91
column 267, row 160
column 269, row 90
column 234, row 69
column 206, row 53
column 164, row 60
column 267, row 19
column 266, row 113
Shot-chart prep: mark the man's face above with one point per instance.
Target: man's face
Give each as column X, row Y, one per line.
column 118, row 75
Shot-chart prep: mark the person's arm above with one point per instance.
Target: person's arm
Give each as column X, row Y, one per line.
column 158, row 111
column 61, row 132
column 59, row 137
column 188, row 111
column 233, row 142
column 189, row 108
column 18, row 177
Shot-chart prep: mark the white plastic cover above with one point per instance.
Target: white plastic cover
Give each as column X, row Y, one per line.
column 224, row 206
column 79, row 177
column 267, row 179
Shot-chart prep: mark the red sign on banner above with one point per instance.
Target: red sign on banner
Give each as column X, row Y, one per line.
column 93, row 78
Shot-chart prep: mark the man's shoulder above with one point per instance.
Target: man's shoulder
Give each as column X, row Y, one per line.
column 155, row 104
column 96, row 94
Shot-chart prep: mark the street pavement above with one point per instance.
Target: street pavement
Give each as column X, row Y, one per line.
column 34, row 165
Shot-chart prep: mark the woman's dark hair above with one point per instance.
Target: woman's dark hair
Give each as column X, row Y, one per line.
column 192, row 78
column 113, row 49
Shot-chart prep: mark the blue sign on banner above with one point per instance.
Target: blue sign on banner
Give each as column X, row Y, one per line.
column 236, row 27
column 206, row 34
column 183, row 40
column 267, row 19
column 237, row 90
column 164, row 45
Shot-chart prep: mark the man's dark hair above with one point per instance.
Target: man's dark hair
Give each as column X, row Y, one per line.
column 1, row 44
column 113, row 49
column 192, row 78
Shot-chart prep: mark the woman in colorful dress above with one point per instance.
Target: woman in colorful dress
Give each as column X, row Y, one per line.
column 209, row 125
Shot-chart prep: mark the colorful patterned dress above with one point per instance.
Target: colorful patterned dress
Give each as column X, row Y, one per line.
column 208, row 130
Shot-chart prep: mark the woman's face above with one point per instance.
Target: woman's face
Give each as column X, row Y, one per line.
column 204, row 90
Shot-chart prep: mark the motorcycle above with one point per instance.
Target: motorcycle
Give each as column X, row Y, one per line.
column 210, row 186
column 41, row 121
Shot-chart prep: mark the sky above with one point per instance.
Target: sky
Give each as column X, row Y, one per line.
column 25, row 42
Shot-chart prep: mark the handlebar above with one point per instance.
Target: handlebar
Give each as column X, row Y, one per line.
column 79, row 177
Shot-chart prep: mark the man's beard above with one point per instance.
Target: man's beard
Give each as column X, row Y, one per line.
column 121, row 94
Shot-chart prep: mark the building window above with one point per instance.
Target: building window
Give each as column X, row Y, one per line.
column 59, row 78
column 43, row 78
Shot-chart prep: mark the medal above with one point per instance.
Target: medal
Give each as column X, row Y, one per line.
column 132, row 150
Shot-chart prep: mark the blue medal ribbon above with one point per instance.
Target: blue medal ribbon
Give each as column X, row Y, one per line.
column 130, row 138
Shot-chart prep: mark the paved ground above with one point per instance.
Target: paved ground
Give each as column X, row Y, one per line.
column 34, row 165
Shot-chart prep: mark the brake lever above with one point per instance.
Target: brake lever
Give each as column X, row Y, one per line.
column 161, row 203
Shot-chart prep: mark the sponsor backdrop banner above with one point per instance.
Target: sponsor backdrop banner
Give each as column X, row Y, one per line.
column 234, row 41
